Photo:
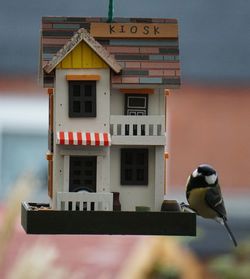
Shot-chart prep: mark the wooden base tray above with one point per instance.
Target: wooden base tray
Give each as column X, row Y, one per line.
column 42, row 220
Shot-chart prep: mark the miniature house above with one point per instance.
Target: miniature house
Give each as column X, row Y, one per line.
column 107, row 131
column 107, row 85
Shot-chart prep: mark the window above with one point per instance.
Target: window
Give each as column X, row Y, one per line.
column 82, row 99
column 82, row 173
column 134, row 166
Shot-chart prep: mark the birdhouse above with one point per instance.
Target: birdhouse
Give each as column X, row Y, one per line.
column 106, row 84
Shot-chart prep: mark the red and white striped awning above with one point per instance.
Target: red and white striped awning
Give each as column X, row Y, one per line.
column 80, row 138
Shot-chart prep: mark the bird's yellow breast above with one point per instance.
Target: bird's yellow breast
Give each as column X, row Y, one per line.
column 197, row 201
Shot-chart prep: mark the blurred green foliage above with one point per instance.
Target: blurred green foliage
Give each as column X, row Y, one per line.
column 233, row 265
column 165, row 272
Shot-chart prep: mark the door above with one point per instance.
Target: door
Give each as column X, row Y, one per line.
column 137, row 105
column 82, row 173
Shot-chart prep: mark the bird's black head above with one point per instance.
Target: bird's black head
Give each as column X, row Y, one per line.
column 206, row 170
column 203, row 176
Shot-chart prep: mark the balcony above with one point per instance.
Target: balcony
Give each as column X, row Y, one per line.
column 84, row 201
column 139, row 130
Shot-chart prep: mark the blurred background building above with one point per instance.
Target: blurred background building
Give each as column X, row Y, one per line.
column 208, row 118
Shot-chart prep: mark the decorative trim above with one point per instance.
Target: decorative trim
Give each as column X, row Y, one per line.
column 50, row 91
column 167, row 92
column 81, row 138
column 49, row 156
column 137, row 90
column 82, row 35
column 83, row 77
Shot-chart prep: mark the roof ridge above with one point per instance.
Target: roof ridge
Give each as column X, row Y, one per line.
column 82, row 35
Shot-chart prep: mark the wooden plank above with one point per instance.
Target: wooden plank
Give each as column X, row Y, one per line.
column 66, row 165
column 134, row 30
column 159, row 176
column 50, row 179
column 107, row 222
column 137, row 91
column 87, row 56
column 83, row 77
column 140, row 140
column 67, row 62
column 77, row 57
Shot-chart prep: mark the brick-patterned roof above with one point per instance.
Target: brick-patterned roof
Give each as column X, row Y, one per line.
column 151, row 61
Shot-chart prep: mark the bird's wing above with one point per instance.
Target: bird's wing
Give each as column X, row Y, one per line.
column 214, row 200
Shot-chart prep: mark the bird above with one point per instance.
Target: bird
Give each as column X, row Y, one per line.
column 204, row 196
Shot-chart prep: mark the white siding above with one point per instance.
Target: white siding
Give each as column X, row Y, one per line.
column 156, row 103
column 132, row 196
column 100, row 123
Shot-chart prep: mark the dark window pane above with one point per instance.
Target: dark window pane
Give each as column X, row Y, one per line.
column 140, row 158
column 76, row 90
column 88, row 163
column 139, row 102
column 128, row 174
column 88, row 107
column 88, row 90
column 140, row 175
column 77, row 172
column 76, row 181
column 128, row 158
column 76, row 106
column 88, row 172
column 88, row 182
column 77, row 163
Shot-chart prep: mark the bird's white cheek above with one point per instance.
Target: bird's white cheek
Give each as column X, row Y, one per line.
column 211, row 179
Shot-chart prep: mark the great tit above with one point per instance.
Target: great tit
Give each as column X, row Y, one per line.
column 204, row 196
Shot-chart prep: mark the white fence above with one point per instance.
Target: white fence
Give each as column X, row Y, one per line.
column 125, row 125
column 84, row 201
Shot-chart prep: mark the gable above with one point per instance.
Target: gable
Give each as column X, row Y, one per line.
column 82, row 57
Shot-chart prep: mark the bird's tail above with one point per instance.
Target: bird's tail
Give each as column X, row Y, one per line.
column 230, row 232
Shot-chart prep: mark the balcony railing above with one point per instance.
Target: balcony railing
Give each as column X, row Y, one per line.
column 85, row 201
column 142, row 128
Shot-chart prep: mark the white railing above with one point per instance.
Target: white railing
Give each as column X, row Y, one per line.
column 84, row 201
column 126, row 125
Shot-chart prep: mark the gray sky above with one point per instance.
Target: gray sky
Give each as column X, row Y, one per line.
column 214, row 35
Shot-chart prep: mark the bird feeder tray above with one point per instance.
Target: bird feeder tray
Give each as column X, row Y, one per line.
column 43, row 220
